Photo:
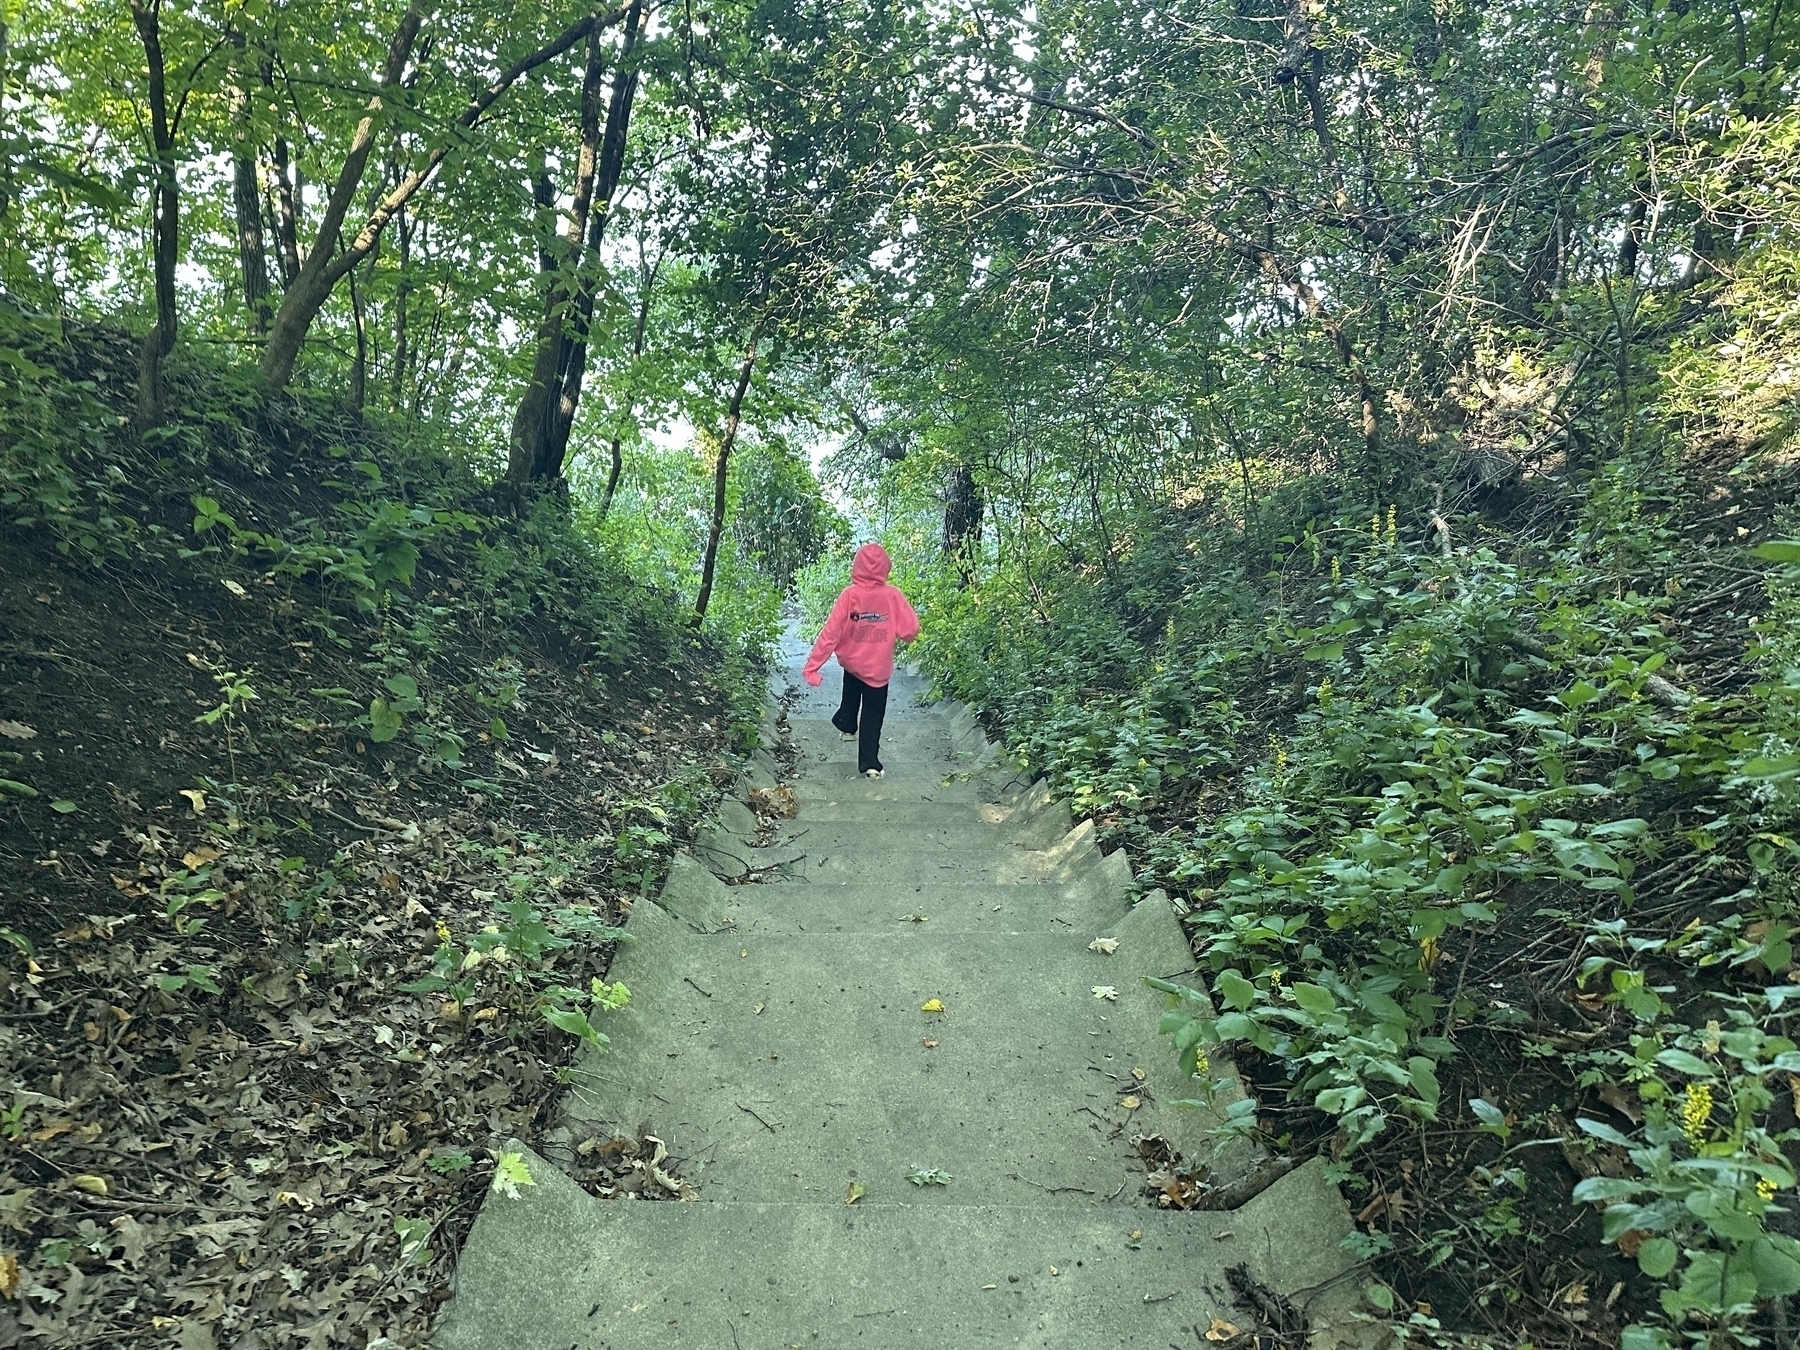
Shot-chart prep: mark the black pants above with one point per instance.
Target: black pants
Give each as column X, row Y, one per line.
column 862, row 711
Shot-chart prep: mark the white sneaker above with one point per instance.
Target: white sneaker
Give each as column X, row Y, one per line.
column 846, row 735
column 871, row 773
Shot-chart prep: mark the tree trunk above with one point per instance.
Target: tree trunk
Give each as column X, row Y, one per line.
column 325, row 266
column 963, row 510
column 546, row 415
column 287, row 226
column 359, row 364
column 246, row 198
column 721, row 475
column 529, row 451
column 165, row 227
column 402, row 295
column 616, row 469
column 318, row 274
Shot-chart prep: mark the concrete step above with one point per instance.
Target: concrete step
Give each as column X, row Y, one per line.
column 783, row 1061
column 899, row 1270
column 948, row 907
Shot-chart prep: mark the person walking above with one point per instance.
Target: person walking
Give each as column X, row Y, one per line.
column 868, row 618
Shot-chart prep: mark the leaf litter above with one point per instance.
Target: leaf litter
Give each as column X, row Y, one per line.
column 231, row 1111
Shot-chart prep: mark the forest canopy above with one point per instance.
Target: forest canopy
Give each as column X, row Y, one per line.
column 1348, row 448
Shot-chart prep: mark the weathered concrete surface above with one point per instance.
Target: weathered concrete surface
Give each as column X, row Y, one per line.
column 776, row 1040
column 888, row 1273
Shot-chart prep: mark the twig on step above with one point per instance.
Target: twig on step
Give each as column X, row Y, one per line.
column 707, row 992
column 759, row 1119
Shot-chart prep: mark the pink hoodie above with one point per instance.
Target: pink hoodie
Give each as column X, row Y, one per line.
column 867, row 620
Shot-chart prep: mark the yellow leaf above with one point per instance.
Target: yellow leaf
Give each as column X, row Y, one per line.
column 1131, row 1103
column 856, row 1192
column 1221, row 1330
column 199, row 857
column 9, row 1275
column 196, row 799
column 90, row 1183
column 932, row 1005
column 235, row 588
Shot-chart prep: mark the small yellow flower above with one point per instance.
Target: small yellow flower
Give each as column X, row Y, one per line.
column 1765, row 1189
column 443, row 931
column 1696, row 1111
column 1201, row 1063
column 1325, row 690
column 1393, row 532
column 1337, row 572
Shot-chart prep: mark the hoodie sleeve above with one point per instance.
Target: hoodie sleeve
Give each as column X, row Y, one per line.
column 828, row 637
column 906, row 622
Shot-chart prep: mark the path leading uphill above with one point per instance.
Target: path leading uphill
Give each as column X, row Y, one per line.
column 776, row 1040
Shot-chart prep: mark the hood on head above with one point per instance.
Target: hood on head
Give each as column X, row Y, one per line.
column 872, row 565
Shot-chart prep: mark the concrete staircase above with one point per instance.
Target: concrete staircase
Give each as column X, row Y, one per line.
column 775, row 1039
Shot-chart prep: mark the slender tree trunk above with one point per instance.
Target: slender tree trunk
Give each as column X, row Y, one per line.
column 616, row 469
column 287, row 215
column 165, row 229
column 721, row 475
column 359, row 364
column 402, row 296
column 246, row 197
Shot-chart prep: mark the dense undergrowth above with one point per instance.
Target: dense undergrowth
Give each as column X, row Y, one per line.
column 328, row 775
column 1485, row 833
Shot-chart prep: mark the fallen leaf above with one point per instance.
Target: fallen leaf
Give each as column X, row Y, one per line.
column 511, row 1171
column 64, row 807
column 1793, row 1082
column 1623, row 1101
column 929, row 1044
column 934, row 1005
column 199, row 857
column 1131, row 1103
column 196, row 799
column 87, row 1181
column 758, row 1008
column 745, row 952
column 1106, row 992
column 294, row 1198
column 856, row 1192
column 9, row 1275
column 17, row 731
column 235, row 589
column 1138, row 1074
column 1221, row 1330
column 1105, row 946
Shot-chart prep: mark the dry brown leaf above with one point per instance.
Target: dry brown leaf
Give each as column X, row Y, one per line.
column 1105, row 946
column 17, row 731
column 1131, row 1103
column 929, row 1043
column 1221, row 1330
column 9, row 1275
